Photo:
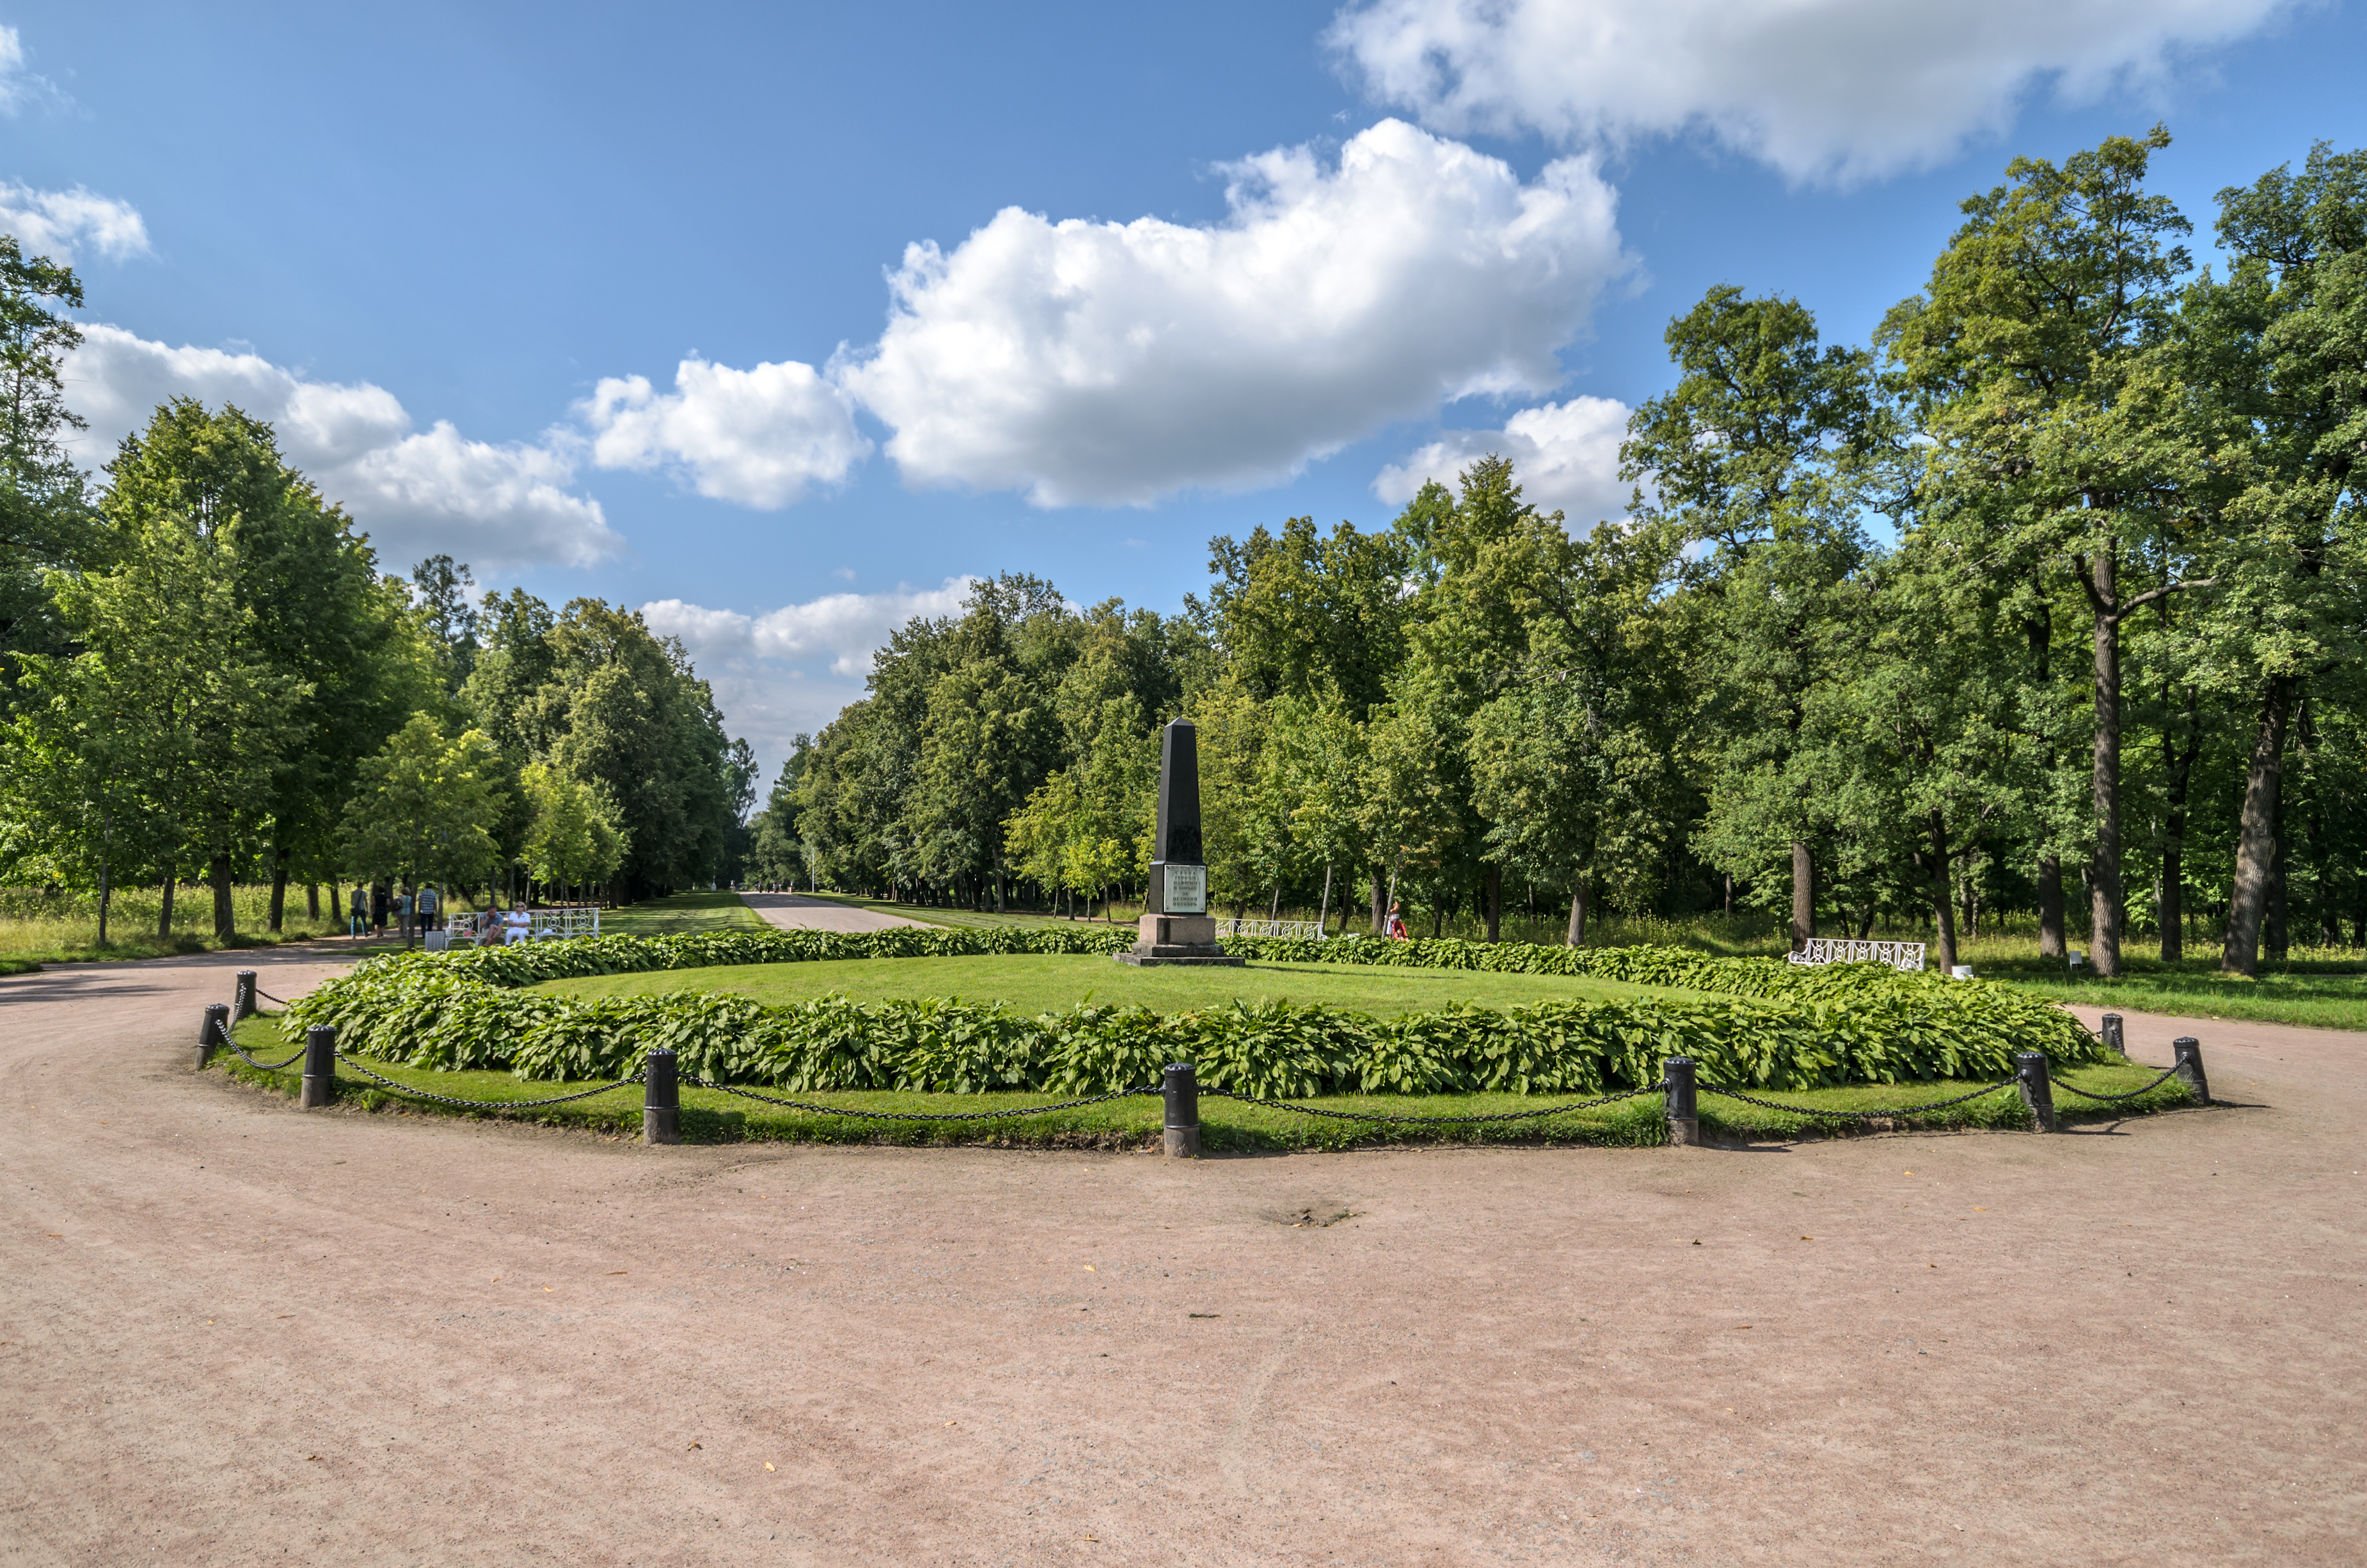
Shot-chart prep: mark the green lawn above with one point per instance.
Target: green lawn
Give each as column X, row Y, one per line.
column 2327, row 996
column 1226, row 1126
column 680, row 913
column 1041, row 983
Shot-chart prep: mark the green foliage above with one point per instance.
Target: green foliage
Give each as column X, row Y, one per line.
column 571, row 837
column 427, row 807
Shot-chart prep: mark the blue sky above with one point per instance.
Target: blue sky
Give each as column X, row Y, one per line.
column 438, row 243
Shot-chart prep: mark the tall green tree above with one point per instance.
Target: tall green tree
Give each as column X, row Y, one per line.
column 309, row 605
column 2032, row 360
column 2289, row 331
column 1766, row 452
column 46, row 519
column 427, row 807
column 166, row 730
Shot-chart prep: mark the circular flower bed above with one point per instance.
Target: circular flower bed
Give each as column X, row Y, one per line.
column 1764, row 1024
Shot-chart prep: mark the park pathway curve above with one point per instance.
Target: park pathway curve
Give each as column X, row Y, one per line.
column 234, row 1331
column 795, row 912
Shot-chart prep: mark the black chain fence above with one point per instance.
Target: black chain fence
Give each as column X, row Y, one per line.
column 483, row 1105
column 1882, row 1115
column 251, row 1061
column 2168, row 1073
column 1427, row 1121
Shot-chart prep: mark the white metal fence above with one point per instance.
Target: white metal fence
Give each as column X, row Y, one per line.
column 1836, row 950
column 492, row 927
column 1300, row 930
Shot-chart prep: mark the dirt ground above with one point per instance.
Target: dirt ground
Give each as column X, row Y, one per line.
column 795, row 912
column 236, row 1332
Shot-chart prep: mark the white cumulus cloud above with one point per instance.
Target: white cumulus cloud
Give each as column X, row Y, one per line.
column 1821, row 89
column 63, row 224
column 842, row 630
column 757, row 664
column 1107, row 363
column 1564, row 456
column 760, row 438
column 19, row 84
column 416, row 492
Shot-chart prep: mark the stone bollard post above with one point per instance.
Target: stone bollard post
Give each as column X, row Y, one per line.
column 242, row 996
column 661, row 1100
column 1181, row 1089
column 2187, row 1051
column 319, row 1066
column 2037, row 1092
column 214, row 1031
column 2113, row 1034
column 1680, row 1101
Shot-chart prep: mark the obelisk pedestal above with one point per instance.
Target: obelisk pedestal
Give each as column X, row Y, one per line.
column 1176, row 926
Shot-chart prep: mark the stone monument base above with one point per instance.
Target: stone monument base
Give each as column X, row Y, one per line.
column 1177, row 938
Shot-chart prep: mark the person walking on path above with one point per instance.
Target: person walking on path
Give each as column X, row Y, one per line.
column 380, row 901
column 359, row 904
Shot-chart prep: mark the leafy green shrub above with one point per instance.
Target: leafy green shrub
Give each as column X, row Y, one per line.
column 1758, row 1023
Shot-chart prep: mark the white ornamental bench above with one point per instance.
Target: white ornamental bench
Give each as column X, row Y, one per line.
column 1906, row 955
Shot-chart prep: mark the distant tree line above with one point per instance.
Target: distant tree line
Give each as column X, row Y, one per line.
column 2047, row 603
column 205, row 676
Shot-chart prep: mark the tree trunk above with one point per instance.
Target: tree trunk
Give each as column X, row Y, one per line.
column 1729, row 895
column 1578, row 912
column 1323, row 910
column 312, row 902
column 1495, row 903
column 2256, row 832
column 2104, row 886
column 1942, row 907
column 164, row 920
column 2051, row 944
column 279, row 886
column 2177, row 771
column 1381, row 903
column 2274, row 923
column 1804, row 896
column 226, row 918
column 102, row 892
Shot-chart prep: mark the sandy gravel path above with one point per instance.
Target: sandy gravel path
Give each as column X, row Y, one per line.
column 795, row 912
column 238, row 1332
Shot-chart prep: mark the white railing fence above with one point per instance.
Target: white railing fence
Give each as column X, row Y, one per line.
column 492, row 927
column 1298, row 930
column 1837, row 950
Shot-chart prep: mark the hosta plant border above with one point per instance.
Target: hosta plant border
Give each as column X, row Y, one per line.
column 1762, row 1024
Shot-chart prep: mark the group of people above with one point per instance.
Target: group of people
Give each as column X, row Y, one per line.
column 370, row 908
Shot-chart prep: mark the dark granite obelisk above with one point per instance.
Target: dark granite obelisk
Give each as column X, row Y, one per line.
column 1176, row 926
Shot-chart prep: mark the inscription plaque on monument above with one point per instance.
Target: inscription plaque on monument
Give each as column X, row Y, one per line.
column 1175, row 924
column 1187, row 889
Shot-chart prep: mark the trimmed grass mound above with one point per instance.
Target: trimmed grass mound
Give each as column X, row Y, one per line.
column 1753, row 1024
column 1030, row 983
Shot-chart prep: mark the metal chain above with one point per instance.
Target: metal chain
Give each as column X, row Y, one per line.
column 2091, row 1094
column 915, row 1116
column 1427, row 1120
column 270, row 997
column 482, row 1105
column 1858, row 1114
column 251, row 1061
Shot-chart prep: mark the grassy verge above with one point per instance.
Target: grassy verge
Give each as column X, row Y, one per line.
column 711, row 1115
column 1041, row 983
column 679, row 913
column 2328, row 995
